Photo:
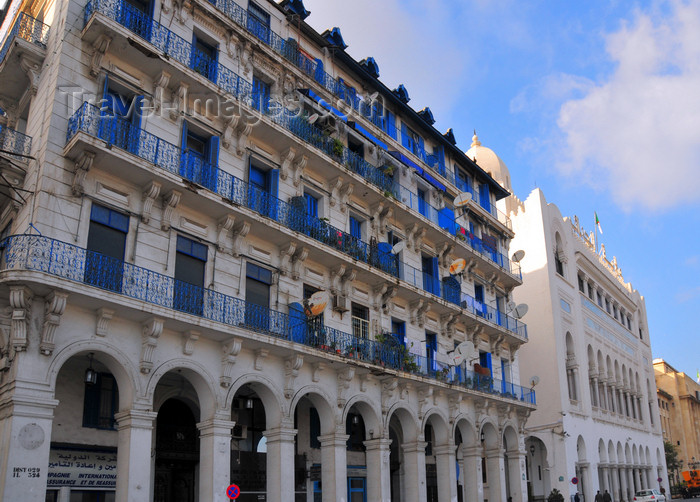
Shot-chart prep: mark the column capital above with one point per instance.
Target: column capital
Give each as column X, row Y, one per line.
column 414, row 447
column 215, row 427
column 494, row 452
column 472, row 451
column 139, row 419
column 280, row 434
column 333, row 439
column 377, row 444
column 445, row 449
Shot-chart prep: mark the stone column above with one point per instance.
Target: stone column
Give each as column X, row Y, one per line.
column 135, row 438
column 594, row 392
column 615, row 492
column 635, row 477
column 414, row 477
column 334, row 466
column 25, row 436
column 446, row 472
column 647, row 471
column 624, row 494
column 516, row 469
column 628, row 410
column 630, row 482
column 280, row 464
column 606, row 480
column 495, row 475
column 378, row 469
column 471, row 469
column 214, row 459
column 602, row 395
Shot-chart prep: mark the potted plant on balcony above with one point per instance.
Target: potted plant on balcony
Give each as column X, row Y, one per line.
column 442, row 374
column 388, row 169
column 337, row 148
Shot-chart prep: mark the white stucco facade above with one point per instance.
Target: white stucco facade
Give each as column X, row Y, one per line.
column 155, row 267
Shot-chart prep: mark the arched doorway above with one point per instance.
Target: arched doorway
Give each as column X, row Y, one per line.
column 249, row 445
column 177, row 452
column 538, row 481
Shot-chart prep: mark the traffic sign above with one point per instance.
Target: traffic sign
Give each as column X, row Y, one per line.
column 233, row 492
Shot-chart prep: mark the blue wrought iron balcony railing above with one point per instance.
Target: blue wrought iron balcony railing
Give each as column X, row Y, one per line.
column 14, row 143
column 26, row 28
column 70, row 262
column 121, row 133
column 172, row 45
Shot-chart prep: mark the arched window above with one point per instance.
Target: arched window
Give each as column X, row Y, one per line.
column 558, row 255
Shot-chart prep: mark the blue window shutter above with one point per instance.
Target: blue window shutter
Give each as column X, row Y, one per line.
column 184, row 136
column 421, row 148
column 274, row 175
column 405, row 140
column 390, row 123
column 297, row 321
column 213, row 148
column 488, row 362
column 484, row 198
column 319, row 72
column 446, row 219
column 435, row 270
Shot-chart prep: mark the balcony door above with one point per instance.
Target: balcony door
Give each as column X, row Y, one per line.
column 104, row 256
column 137, row 16
column 263, row 186
column 200, row 158
column 190, row 262
column 120, row 116
column 257, row 297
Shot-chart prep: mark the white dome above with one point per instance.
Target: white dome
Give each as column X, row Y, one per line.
column 487, row 160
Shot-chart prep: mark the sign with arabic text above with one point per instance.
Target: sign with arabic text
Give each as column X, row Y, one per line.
column 96, row 470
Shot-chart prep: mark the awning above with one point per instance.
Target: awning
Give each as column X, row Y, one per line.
column 324, row 104
column 368, row 135
column 421, row 172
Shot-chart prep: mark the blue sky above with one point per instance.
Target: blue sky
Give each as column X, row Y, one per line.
column 597, row 103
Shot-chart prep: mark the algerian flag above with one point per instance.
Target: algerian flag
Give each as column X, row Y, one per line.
column 597, row 222
column 698, row 376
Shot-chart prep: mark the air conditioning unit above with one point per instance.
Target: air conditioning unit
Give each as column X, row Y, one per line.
column 340, row 304
column 328, row 124
column 239, row 431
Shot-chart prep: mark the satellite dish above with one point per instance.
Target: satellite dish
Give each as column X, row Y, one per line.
column 462, row 199
column 313, row 118
column 520, row 311
column 518, row 255
column 457, row 358
column 534, row 381
column 457, row 266
column 398, row 247
column 316, row 304
column 511, row 306
column 465, row 348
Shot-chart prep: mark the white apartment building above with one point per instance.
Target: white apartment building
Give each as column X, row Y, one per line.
column 597, row 424
column 178, row 180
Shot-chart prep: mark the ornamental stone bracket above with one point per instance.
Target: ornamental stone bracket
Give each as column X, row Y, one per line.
column 497, row 345
column 447, row 324
column 453, row 405
column 259, row 361
column 236, row 133
column 341, row 280
column 32, row 69
column 389, row 391
column 418, row 309
column 20, row 301
column 239, row 233
column 54, row 307
column 189, row 338
column 414, row 237
column 340, row 193
column 444, row 249
column 292, row 166
column 99, row 48
column 224, row 226
column 292, row 365
column 297, row 261
column 344, row 377
column 82, row 166
column 150, row 194
column 317, row 369
column 473, row 334
column 230, row 351
column 380, row 216
column 104, row 315
column 384, row 294
column 286, row 252
column 179, row 101
column 160, row 88
column 425, row 395
column 150, row 332
column 170, row 202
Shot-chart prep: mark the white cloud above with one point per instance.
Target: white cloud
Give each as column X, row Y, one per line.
column 638, row 133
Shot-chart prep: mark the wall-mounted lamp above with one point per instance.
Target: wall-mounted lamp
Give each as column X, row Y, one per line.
column 90, row 373
column 532, row 449
column 249, row 403
column 355, row 420
column 483, row 437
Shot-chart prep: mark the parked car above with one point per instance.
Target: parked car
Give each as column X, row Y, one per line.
column 649, row 495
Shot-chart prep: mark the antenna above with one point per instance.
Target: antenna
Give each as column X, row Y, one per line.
column 462, row 199
column 316, row 304
column 398, row 247
column 457, row 266
column 520, row 311
column 534, row 381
